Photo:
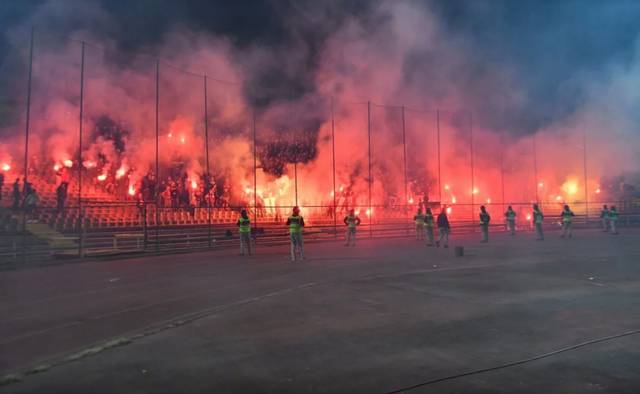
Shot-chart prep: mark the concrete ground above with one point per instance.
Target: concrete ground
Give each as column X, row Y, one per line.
column 380, row 317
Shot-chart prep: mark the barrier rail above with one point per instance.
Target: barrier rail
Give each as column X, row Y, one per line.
column 47, row 236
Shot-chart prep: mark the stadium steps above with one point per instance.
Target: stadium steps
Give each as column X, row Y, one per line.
column 53, row 238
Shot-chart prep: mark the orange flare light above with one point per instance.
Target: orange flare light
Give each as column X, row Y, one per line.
column 56, row 167
column 194, row 184
column 449, row 210
column 68, row 163
column 120, row 173
column 89, row 164
column 102, row 177
column 132, row 190
column 5, row 167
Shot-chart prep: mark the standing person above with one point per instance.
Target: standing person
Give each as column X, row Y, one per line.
column 604, row 217
column 244, row 229
column 484, row 224
column 16, row 194
column 419, row 219
column 351, row 221
column 61, row 195
column 613, row 220
column 443, row 228
column 31, row 202
column 428, row 226
column 567, row 217
column 510, row 215
column 296, row 224
column 537, row 221
column 1, row 184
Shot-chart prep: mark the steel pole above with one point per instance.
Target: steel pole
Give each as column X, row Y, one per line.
column 295, row 175
column 586, row 192
column 157, row 213
column 535, row 168
column 439, row 166
column 404, row 165
column 206, row 149
column 502, row 168
column 370, row 179
column 255, row 173
column 26, row 145
column 333, row 157
column 81, row 121
column 473, row 186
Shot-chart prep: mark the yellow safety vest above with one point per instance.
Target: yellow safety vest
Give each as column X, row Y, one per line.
column 295, row 224
column 537, row 217
column 419, row 220
column 566, row 216
column 428, row 220
column 351, row 221
column 245, row 225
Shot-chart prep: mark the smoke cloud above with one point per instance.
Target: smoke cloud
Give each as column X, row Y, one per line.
column 486, row 77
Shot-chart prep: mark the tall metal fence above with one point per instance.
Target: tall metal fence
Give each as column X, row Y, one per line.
column 383, row 161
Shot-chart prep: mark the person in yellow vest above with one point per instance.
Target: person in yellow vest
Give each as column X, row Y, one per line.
column 613, row 220
column 351, row 221
column 428, row 226
column 604, row 217
column 419, row 219
column 244, row 229
column 567, row 217
column 510, row 215
column 537, row 218
column 484, row 224
column 296, row 224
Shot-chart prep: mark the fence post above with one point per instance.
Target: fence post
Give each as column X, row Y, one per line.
column 404, row 169
column 81, row 120
column 206, row 148
column 535, row 168
column 333, row 157
column 439, row 166
column 255, row 173
column 144, row 219
column 26, row 145
column 473, row 186
column 157, row 213
column 502, row 170
column 586, row 192
column 369, row 162
column 295, row 178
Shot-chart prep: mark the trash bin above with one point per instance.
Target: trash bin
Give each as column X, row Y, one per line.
column 459, row 251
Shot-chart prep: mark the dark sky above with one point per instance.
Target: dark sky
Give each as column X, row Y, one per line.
column 546, row 42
